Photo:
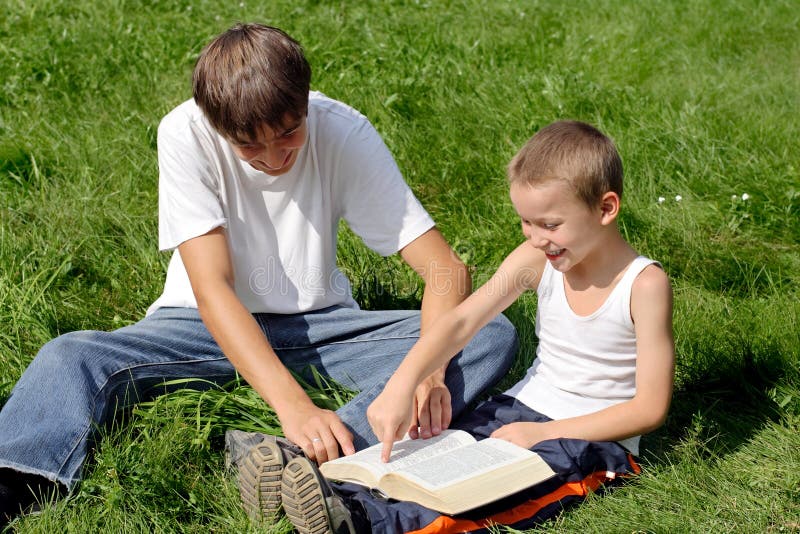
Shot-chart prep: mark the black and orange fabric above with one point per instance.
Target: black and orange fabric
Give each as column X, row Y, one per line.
column 581, row 467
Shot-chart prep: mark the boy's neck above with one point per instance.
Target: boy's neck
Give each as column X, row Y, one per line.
column 604, row 265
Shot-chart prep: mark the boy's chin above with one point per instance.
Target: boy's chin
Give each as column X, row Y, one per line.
column 560, row 263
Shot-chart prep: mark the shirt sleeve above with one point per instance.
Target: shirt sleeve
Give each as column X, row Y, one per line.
column 188, row 188
column 377, row 203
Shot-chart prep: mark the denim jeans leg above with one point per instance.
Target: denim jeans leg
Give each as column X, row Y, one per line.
column 79, row 380
column 361, row 349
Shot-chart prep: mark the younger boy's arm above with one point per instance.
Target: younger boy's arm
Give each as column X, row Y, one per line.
column 391, row 412
column 318, row 432
column 447, row 284
column 651, row 311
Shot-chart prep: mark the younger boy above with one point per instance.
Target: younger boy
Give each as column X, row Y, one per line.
column 603, row 373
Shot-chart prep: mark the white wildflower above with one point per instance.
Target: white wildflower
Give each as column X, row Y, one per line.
column 678, row 198
column 734, row 197
column 745, row 196
column 661, row 200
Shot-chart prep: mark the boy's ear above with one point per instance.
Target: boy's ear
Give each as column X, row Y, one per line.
column 609, row 207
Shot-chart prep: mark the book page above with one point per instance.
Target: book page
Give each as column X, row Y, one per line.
column 470, row 461
column 405, row 452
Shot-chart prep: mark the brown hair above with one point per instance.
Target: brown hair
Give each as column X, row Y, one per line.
column 572, row 151
column 251, row 76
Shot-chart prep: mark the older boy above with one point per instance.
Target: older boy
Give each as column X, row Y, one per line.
column 604, row 368
column 255, row 174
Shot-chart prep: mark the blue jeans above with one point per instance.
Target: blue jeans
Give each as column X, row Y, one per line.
column 79, row 380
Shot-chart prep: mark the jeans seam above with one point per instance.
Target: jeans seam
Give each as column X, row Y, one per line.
column 345, row 342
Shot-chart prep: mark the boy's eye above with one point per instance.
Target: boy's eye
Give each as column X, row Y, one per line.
column 244, row 145
column 549, row 226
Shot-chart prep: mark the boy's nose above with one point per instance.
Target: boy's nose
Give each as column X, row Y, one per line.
column 273, row 156
column 537, row 240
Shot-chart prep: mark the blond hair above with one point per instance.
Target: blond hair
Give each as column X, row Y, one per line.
column 575, row 152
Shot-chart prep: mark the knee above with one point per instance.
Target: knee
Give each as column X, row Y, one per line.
column 62, row 363
column 494, row 347
column 483, row 362
column 501, row 339
column 68, row 351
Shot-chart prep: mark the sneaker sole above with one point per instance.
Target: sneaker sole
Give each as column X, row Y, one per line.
column 259, row 480
column 303, row 499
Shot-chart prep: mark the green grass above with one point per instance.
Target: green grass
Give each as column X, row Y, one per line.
column 701, row 97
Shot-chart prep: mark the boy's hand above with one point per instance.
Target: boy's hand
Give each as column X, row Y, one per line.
column 389, row 416
column 525, row 435
column 320, row 433
column 432, row 408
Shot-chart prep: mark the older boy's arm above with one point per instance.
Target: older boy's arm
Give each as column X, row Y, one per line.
column 651, row 310
column 447, row 284
column 390, row 412
column 318, row 432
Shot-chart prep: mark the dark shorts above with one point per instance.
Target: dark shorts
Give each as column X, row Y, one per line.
column 581, row 467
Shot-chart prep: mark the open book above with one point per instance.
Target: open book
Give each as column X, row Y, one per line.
column 450, row 473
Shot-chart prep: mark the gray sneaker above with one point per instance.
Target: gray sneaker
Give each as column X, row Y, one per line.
column 259, row 460
column 310, row 503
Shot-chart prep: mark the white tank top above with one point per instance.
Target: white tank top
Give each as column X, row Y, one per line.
column 583, row 363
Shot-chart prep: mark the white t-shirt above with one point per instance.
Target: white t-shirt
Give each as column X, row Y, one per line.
column 583, row 363
column 281, row 230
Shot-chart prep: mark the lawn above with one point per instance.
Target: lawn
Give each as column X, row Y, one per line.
column 701, row 97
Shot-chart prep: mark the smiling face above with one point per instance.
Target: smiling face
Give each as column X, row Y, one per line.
column 273, row 151
column 557, row 222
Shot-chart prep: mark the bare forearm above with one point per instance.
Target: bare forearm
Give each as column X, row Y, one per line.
column 441, row 296
column 319, row 432
column 443, row 292
column 621, row 421
column 433, row 351
column 245, row 345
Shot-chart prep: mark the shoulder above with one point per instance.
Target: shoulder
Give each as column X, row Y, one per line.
column 330, row 110
column 331, row 117
column 651, row 279
column 185, row 122
column 323, row 103
column 652, row 288
column 184, row 115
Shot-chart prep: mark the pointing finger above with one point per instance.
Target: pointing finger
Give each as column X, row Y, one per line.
column 386, row 452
